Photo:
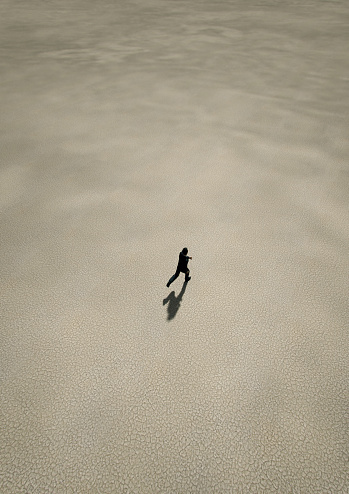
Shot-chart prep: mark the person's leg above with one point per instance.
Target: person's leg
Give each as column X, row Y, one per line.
column 187, row 277
column 171, row 280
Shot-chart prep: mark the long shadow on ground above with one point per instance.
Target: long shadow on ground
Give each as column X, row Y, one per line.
column 174, row 302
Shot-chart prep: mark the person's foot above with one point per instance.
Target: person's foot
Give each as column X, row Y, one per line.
column 168, row 285
column 188, row 278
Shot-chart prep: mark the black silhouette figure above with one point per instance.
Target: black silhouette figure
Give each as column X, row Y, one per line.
column 182, row 267
column 174, row 302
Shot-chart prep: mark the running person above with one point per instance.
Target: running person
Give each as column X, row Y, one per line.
column 182, row 267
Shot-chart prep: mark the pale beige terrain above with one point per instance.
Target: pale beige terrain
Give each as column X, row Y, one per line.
column 129, row 130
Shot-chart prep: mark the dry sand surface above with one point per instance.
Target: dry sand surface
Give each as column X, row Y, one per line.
column 128, row 130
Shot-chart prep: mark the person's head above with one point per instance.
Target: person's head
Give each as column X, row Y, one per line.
column 185, row 251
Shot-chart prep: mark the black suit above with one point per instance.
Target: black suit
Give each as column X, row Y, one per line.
column 182, row 263
column 182, row 267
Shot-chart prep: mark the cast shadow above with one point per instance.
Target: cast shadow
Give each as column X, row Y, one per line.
column 174, row 302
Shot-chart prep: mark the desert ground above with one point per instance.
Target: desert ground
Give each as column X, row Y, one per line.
column 132, row 129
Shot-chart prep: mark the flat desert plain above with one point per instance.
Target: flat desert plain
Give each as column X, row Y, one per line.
column 132, row 129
